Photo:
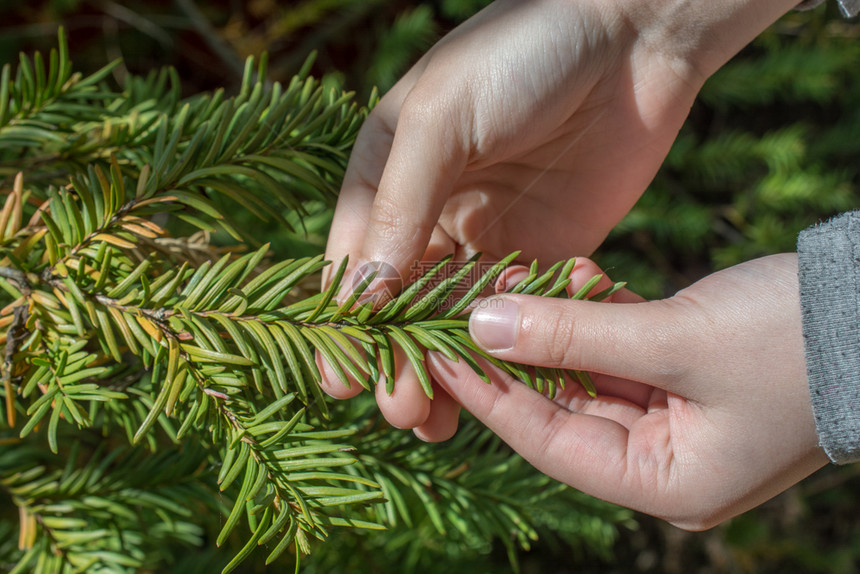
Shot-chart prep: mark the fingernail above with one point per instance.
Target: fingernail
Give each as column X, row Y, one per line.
column 510, row 277
column 495, row 324
column 384, row 286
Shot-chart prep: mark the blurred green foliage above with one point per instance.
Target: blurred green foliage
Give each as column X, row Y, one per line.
column 771, row 147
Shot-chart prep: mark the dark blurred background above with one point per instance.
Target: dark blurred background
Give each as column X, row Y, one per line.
column 771, row 147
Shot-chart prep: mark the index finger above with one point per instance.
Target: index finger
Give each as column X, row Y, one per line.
column 585, row 451
column 428, row 154
column 355, row 201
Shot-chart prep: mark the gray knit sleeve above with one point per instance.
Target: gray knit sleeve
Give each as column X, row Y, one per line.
column 829, row 271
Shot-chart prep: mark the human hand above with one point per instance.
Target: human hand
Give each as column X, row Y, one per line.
column 702, row 410
column 534, row 126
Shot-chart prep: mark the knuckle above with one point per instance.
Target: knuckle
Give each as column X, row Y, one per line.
column 495, row 406
column 394, row 230
column 553, row 336
column 388, row 218
column 660, row 343
column 422, row 107
column 670, row 342
column 441, row 113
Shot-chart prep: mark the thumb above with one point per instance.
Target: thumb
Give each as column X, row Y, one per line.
column 427, row 155
column 643, row 342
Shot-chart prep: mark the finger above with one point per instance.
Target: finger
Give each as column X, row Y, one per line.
column 441, row 245
column 355, row 201
column 584, row 270
column 631, row 391
column 428, row 153
column 612, row 405
column 361, row 180
column 644, row 342
column 387, row 280
column 332, row 384
column 619, row 409
column 509, row 278
column 408, row 406
column 444, row 416
column 585, row 451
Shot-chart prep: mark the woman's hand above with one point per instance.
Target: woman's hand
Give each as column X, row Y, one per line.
column 702, row 407
column 534, row 126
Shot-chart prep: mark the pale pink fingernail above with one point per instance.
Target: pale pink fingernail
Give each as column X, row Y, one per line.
column 510, row 277
column 494, row 325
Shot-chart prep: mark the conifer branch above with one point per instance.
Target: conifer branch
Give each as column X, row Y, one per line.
column 219, row 336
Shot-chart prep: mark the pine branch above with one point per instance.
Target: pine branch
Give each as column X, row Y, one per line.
column 454, row 500
column 93, row 515
column 41, row 98
column 287, row 142
column 221, row 337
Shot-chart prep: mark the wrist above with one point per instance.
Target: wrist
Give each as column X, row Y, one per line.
column 698, row 36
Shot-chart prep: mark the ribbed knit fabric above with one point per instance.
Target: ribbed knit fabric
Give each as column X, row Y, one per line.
column 829, row 271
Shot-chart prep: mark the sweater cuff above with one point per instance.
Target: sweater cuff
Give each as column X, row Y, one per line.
column 829, row 273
